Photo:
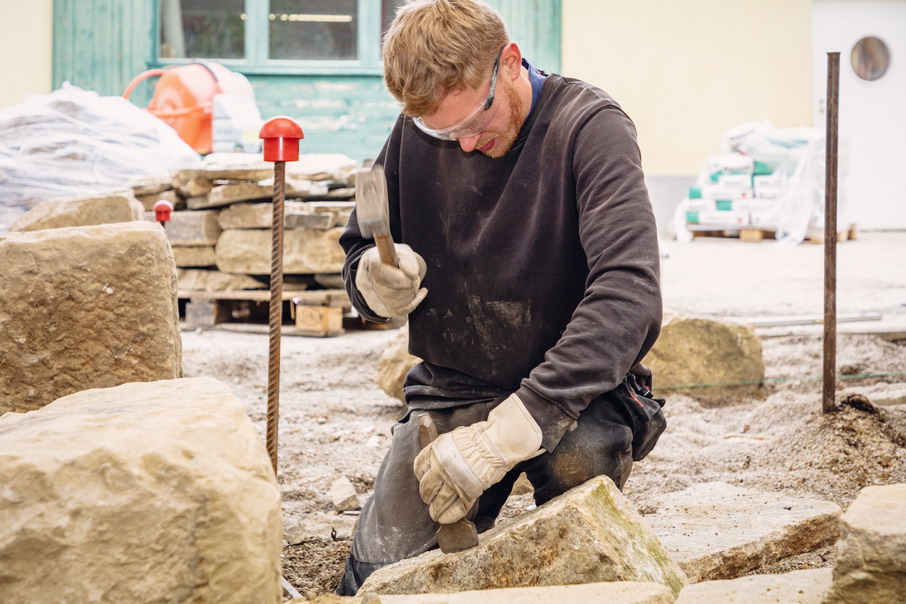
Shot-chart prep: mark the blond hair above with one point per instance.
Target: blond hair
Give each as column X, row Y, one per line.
column 434, row 47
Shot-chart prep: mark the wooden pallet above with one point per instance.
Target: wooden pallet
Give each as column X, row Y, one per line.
column 311, row 313
column 755, row 235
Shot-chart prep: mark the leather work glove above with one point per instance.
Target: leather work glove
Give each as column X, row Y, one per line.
column 390, row 291
column 455, row 469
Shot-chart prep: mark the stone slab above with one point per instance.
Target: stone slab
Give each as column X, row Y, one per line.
column 188, row 228
column 214, row 280
column 248, row 251
column 589, row 534
column 798, row 587
column 80, row 211
column 86, row 307
column 222, row 195
column 619, row 592
column 147, row 492
column 255, row 215
column 718, row 531
column 194, row 256
column 871, row 553
column 695, row 352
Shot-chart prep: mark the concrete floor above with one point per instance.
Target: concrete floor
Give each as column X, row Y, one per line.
column 729, row 278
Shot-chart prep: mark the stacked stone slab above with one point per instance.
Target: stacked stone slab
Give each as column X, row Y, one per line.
column 146, row 492
column 85, row 307
column 227, row 226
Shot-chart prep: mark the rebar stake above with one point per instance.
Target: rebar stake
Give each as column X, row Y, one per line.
column 829, row 388
column 281, row 144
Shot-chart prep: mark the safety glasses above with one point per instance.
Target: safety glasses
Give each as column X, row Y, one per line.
column 476, row 121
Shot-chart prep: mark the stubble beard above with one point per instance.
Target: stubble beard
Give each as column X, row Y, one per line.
column 507, row 137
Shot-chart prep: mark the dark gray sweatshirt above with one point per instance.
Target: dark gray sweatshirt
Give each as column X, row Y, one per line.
column 542, row 265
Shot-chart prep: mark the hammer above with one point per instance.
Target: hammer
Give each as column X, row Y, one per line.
column 462, row 534
column 372, row 211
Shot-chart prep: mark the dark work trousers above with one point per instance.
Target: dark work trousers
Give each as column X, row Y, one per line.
column 395, row 523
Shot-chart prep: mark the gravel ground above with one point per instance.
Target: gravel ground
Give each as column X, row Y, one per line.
column 335, row 421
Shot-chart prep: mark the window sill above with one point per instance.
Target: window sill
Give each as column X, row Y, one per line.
column 301, row 68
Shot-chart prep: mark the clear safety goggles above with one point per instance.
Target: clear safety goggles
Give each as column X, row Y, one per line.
column 476, row 121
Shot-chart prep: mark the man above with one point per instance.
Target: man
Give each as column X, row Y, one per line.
column 528, row 268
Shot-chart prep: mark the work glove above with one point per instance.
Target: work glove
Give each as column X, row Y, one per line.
column 390, row 291
column 457, row 467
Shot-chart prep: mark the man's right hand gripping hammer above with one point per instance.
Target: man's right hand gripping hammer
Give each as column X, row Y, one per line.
column 391, row 291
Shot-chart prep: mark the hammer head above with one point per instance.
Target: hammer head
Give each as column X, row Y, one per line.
column 371, row 202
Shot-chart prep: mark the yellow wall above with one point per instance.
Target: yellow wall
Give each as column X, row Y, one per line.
column 25, row 49
column 687, row 70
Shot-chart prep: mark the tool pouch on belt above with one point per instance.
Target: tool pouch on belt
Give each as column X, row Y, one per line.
column 642, row 412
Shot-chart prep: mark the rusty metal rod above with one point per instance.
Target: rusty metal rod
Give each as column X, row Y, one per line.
column 275, row 316
column 830, row 235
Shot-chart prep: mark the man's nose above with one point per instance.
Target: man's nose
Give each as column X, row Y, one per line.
column 468, row 142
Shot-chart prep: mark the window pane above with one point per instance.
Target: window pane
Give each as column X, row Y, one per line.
column 313, row 29
column 213, row 29
column 388, row 12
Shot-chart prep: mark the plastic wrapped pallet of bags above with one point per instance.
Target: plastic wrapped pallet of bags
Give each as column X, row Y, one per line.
column 73, row 142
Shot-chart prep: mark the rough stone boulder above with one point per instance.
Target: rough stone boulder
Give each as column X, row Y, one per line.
column 305, row 251
column 701, row 351
column 146, row 492
column 587, row 535
column 80, row 211
column 85, row 307
column 718, row 531
column 871, row 552
column 394, row 363
column 620, row 592
column 797, row 587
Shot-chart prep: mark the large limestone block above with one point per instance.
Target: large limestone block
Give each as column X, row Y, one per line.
column 700, row 351
column 248, row 251
column 718, row 531
column 191, row 228
column 223, row 195
column 587, row 535
column 85, row 307
column 620, row 592
column 871, row 553
column 798, row 587
column 214, row 280
column 80, row 211
column 190, row 256
column 394, row 363
column 147, row 492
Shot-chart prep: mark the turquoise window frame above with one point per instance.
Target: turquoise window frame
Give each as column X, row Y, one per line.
column 256, row 61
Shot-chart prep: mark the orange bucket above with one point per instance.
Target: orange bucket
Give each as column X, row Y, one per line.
column 184, row 98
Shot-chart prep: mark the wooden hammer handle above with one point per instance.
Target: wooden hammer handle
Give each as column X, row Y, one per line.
column 386, row 249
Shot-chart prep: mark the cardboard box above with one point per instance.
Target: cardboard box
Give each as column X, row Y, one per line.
column 724, row 192
column 719, row 218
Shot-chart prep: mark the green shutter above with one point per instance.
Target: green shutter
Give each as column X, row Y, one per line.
column 101, row 45
column 535, row 25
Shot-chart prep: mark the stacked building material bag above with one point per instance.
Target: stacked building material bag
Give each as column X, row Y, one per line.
column 222, row 239
column 768, row 180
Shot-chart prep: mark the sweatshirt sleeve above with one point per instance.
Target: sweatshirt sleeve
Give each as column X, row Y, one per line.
column 619, row 316
column 355, row 244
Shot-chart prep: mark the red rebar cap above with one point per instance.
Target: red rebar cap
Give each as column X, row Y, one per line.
column 281, row 136
column 162, row 210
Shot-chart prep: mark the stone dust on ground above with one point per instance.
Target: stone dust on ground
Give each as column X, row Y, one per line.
column 334, row 422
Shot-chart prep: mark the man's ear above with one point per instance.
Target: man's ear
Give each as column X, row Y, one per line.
column 511, row 61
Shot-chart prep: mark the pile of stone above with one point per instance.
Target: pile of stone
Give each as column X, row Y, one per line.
column 220, row 231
